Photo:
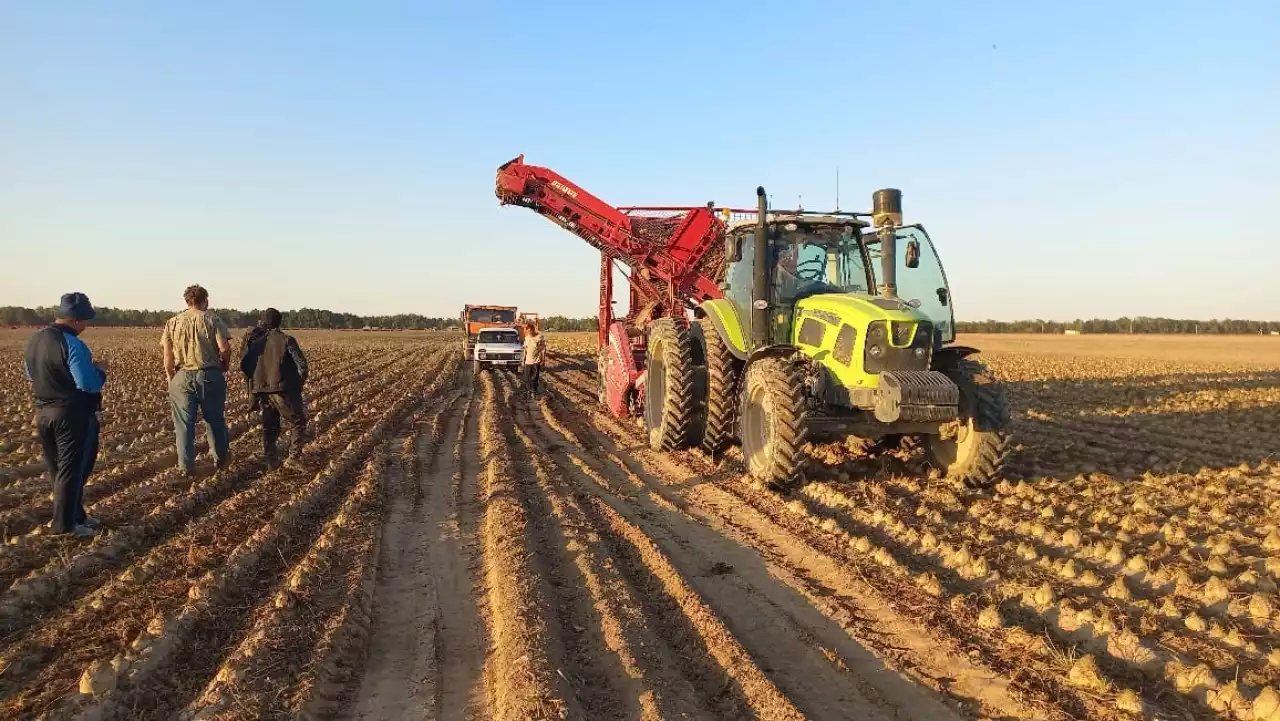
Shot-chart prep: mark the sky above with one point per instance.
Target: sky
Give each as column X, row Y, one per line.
column 1068, row 159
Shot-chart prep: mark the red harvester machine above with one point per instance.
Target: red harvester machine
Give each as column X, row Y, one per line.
column 665, row 248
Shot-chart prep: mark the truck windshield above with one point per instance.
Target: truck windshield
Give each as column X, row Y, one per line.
column 485, row 315
column 808, row 261
column 499, row 336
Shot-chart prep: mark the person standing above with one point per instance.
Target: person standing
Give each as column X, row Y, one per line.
column 66, row 388
column 276, row 370
column 535, row 350
column 197, row 353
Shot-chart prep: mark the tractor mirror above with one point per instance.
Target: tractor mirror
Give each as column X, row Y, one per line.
column 732, row 249
column 943, row 296
column 913, row 253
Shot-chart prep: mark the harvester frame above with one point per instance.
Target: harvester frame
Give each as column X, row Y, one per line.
column 730, row 333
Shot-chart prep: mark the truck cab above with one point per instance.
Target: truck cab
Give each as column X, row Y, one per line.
column 497, row 347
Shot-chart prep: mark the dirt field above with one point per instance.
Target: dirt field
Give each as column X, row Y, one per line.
column 456, row 550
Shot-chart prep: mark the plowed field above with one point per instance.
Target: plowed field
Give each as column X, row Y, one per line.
column 457, row 550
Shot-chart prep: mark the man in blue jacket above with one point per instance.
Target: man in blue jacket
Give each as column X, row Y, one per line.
column 66, row 386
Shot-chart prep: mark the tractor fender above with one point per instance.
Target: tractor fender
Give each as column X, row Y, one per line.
column 724, row 318
column 947, row 357
column 773, row 351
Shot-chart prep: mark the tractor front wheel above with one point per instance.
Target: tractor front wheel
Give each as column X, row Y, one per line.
column 774, row 422
column 976, row 452
column 670, row 405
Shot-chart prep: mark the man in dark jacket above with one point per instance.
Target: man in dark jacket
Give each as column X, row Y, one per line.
column 66, row 386
column 276, row 369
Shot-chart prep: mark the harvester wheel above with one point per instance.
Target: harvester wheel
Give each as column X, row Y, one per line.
column 774, row 422
column 670, row 403
column 976, row 454
column 723, row 371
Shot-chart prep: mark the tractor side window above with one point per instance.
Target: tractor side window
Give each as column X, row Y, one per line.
column 926, row 282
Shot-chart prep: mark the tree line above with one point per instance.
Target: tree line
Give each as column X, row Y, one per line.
column 327, row 319
column 1123, row 325
column 300, row 318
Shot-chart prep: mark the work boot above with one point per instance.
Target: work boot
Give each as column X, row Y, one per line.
column 91, row 522
column 79, row 532
column 224, row 461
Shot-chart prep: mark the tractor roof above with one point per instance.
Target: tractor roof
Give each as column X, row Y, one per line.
column 800, row 218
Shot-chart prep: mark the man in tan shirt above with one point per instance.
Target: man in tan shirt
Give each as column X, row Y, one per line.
column 197, row 351
column 535, row 350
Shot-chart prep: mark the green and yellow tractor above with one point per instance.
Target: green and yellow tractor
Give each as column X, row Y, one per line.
column 779, row 329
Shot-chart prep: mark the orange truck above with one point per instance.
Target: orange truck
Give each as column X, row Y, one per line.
column 476, row 318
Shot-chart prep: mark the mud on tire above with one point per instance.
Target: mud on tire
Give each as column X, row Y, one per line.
column 670, row 397
column 977, row 455
column 723, row 373
column 774, row 422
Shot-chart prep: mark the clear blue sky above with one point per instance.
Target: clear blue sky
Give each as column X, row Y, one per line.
column 1070, row 159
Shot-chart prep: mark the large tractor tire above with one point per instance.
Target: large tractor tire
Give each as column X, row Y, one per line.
column 723, row 371
column 670, row 393
column 977, row 453
column 774, row 422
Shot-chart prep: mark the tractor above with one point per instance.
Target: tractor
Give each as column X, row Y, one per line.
column 779, row 328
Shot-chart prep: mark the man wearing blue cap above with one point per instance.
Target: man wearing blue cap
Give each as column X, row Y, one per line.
column 66, row 386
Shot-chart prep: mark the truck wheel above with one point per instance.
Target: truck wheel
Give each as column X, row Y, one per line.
column 774, row 422
column 669, row 403
column 722, row 391
column 976, row 454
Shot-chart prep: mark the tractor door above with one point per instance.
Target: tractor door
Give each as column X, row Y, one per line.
column 927, row 282
column 737, row 278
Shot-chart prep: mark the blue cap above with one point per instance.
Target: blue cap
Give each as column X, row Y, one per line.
column 76, row 306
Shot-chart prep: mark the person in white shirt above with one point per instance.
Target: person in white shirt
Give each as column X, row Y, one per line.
column 535, row 350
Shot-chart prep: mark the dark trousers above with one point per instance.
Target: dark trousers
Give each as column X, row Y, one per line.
column 204, row 391
column 289, row 407
column 532, row 373
column 70, row 442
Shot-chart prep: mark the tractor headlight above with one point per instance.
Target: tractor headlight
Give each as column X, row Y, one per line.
column 875, row 350
column 918, row 352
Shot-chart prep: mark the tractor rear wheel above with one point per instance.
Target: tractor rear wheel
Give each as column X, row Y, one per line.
column 670, row 403
column 976, row 453
column 774, row 422
column 722, row 391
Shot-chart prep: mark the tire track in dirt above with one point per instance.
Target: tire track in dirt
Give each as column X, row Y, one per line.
column 826, row 586
column 425, row 656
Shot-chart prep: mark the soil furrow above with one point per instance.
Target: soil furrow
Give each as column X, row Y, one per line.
column 521, row 667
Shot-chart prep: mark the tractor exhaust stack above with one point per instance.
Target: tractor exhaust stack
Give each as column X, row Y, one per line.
column 760, row 275
column 886, row 213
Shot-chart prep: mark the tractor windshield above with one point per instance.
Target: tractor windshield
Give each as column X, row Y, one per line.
column 819, row 259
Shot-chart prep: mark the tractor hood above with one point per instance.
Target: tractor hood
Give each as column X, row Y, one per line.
column 858, row 310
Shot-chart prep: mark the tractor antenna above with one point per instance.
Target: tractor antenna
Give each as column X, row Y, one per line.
column 837, row 188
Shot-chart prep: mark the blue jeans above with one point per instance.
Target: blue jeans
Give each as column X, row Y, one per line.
column 205, row 390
